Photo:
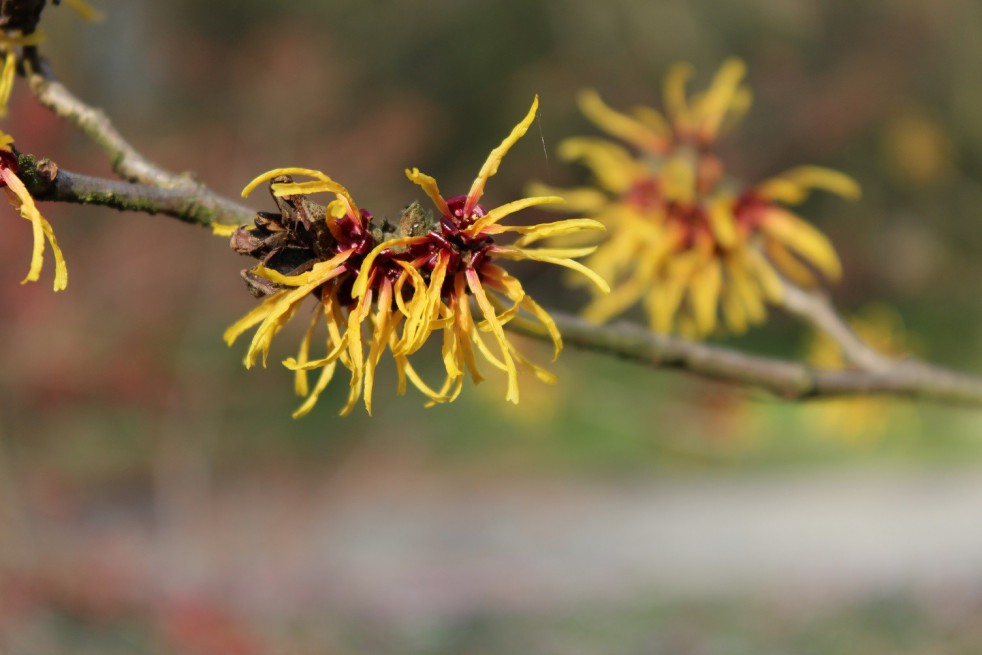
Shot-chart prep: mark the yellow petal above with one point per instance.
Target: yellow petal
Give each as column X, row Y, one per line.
column 320, row 273
column 733, row 312
column 674, row 90
column 704, row 295
column 384, row 326
column 356, row 353
column 789, row 265
column 34, row 38
column 324, row 183
column 494, row 159
column 723, row 222
column 745, row 288
column 300, row 385
column 501, row 211
column 602, row 308
column 224, row 229
column 431, row 189
column 581, row 200
column 655, row 121
column 463, row 327
column 666, row 295
column 802, row 238
column 768, row 279
column 474, row 284
column 7, row 82
column 20, row 199
column 793, row 186
column 361, row 282
column 85, row 10
column 679, row 180
column 548, row 256
column 619, row 125
column 715, row 103
column 327, row 373
column 533, row 233
column 613, row 166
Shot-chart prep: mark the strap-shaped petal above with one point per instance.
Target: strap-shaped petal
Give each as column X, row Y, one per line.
column 85, row 10
column 804, row 239
column 474, row 284
column 622, row 126
column 613, row 165
column 558, row 257
column 714, row 105
column 676, row 103
column 501, row 211
column 794, row 185
column 361, row 282
column 430, row 187
column 579, row 200
column 494, row 159
column 20, row 198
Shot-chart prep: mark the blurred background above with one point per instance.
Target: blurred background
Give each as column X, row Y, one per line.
column 156, row 497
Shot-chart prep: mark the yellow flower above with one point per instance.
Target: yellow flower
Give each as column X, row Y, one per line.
column 21, row 32
column 405, row 283
column 696, row 248
column 458, row 257
column 8, row 45
column 857, row 420
column 21, row 200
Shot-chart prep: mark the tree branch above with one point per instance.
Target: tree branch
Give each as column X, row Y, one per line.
column 45, row 181
column 814, row 308
column 786, row 379
column 129, row 164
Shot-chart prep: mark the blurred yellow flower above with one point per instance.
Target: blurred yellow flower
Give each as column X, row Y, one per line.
column 8, row 51
column 696, row 248
column 859, row 420
column 406, row 282
column 21, row 200
column 917, row 150
column 22, row 33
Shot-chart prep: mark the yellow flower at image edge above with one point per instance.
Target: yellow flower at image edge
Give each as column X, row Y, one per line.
column 695, row 247
column 10, row 40
column 21, row 200
column 406, row 283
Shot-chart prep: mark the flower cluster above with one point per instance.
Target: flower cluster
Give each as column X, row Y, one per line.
column 21, row 200
column 430, row 273
column 695, row 247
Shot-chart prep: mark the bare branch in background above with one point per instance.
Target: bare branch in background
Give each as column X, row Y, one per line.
column 786, row 379
column 198, row 206
column 130, row 165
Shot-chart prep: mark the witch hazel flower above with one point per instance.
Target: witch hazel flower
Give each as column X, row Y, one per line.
column 387, row 289
column 699, row 250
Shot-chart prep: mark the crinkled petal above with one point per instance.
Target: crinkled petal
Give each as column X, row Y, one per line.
column 804, row 239
column 496, row 214
column 494, row 159
column 430, row 187
column 794, row 185
column 622, row 126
